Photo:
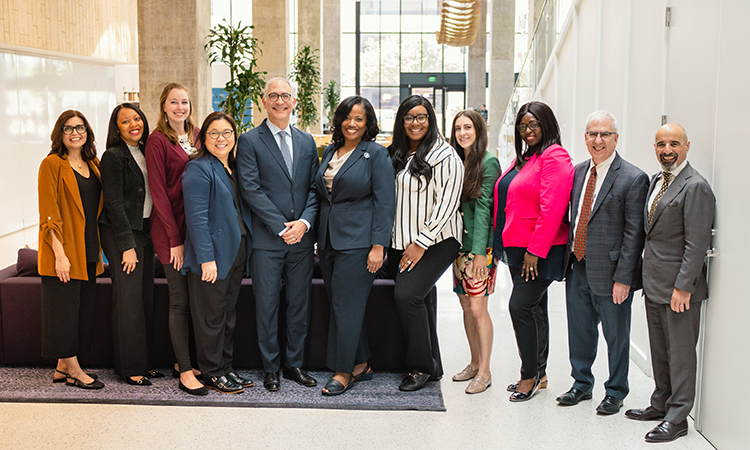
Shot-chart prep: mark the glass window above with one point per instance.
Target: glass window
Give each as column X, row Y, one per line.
column 432, row 54
column 347, row 16
column 389, row 101
column 389, row 57
column 454, row 59
column 369, row 60
column 389, row 15
column 347, row 59
column 373, row 95
column 411, row 53
column 369, row 17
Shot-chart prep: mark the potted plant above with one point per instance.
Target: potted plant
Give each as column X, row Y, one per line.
column 235, row 47
column 306, row 74
column 331, row 99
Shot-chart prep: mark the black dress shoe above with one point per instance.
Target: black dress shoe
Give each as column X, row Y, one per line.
column 142, row 382
column 414, row 381
column 573, row 397
column 197, row 391
column 610, row 405
column 667, row 431
column 649, row 413
column 224, row 385
column 154, row 374
column 244, row 382
column 299, row 375
column 271, row 381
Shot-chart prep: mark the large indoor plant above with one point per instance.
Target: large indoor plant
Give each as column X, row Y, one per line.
column 306, row 73
column 331, row 99
column 235, row 47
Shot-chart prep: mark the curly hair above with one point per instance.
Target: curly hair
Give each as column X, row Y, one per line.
column 343, row 110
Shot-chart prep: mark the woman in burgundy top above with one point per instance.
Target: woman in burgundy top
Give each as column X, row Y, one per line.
column 167, row 151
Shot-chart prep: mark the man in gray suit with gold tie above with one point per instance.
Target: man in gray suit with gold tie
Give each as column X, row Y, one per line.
column 679, row 216
column 606, row 236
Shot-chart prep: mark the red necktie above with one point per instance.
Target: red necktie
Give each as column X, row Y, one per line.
column 579, row 245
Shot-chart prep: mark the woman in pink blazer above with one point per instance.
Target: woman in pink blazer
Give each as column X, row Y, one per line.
column 531, row 231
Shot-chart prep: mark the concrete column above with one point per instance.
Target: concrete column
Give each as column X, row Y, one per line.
column 171, row 35
column 272, row 30
column 309, row 34
column 501, row 65
column 476, row 77
column 331, row 56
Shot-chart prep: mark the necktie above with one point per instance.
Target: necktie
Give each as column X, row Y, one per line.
column 579, row 245
column 285, row 152
column 663, row 189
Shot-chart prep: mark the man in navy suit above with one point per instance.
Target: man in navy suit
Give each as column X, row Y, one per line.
column 276, row 165
column 606, row 239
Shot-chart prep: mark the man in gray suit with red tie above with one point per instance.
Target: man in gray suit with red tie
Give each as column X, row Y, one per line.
column 606, row 237
column 276, row 166
column 679, row 216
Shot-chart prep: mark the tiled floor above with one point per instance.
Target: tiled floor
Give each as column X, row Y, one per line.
column 486, row 420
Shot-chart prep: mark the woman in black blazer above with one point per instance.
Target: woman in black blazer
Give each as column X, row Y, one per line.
column 126, row 240
column 356, row 190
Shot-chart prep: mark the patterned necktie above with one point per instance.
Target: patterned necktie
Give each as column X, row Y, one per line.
column 663, row 189
column 285, row 153
column 579, row 245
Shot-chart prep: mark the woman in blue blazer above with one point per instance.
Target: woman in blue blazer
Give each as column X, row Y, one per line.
column 217, row 250
column 356, row 190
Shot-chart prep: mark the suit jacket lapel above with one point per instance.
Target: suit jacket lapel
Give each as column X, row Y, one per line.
column 609, row 181
column 220, row 173
column 296, row 143
column 132, row 164
column 674, row 188
column 357, row 153
column 319, row 182
column 267, row 137
column 580, row 177
column 71, row 184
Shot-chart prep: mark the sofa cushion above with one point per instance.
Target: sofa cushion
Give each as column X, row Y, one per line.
column 27, row 263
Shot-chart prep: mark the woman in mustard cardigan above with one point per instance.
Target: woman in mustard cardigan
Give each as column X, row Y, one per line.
column 70, row 201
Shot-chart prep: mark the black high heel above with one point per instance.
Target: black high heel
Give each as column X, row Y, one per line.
column 523, row 396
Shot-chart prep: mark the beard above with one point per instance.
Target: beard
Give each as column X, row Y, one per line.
column 667, row 166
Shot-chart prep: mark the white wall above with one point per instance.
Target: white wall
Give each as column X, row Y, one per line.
column 618, row 55
column 35, row 87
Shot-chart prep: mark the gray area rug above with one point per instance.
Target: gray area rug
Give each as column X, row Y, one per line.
column 34, row 384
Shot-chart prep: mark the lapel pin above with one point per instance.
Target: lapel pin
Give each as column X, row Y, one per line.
column 367, row 155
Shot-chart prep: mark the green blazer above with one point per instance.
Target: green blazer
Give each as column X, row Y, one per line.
column 477, row 213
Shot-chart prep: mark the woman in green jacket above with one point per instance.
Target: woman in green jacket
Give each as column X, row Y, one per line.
column 473, row 270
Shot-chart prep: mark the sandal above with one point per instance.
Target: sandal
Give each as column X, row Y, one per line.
column 96, row 384
column 365, row 375
column 334, row 387
column 63, row 380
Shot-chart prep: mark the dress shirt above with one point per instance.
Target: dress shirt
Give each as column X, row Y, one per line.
column 660, row 181
column 602, row 169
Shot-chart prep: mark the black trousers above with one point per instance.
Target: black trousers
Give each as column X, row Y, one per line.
column 132, row 303
column 214, row 317
column 418, row 321
column 68, row 315
column 348, row 283
column 180, row 326
column 528, row 312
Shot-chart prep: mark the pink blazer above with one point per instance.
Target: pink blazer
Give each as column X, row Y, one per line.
column 537, row 203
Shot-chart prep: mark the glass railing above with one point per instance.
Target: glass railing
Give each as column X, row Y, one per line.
column 541, row 45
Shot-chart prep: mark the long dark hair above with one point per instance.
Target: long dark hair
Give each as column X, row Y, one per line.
column 399, row 148
column 547, row 122
column 201, row 150
column 113, row 132
column 88, row 152
column 162, row 124
column 343, row 110
column 474, row 162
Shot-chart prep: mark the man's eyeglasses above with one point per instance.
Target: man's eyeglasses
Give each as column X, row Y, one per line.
column 285, row 97
column 522, row 127
column 420, row 118
column 604, row 134
column 80, row 129
column 215, row 134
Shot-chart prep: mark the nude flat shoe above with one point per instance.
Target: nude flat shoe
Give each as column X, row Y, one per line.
column 479, row 384
column 467, row 374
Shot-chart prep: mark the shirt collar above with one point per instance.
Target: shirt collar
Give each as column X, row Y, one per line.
column 603, row 166
column 276, row 130
column 676, row 170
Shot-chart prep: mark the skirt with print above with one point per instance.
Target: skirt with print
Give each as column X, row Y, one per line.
column 463, row 284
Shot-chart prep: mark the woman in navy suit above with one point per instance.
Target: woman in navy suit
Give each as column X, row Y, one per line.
column 356, row 189
column 217, row 250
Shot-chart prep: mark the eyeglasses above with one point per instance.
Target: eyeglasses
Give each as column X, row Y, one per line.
column 285, row 97
column 522, row 127
column 215, row 134
column 80, row 129
column 420, row 118
column 604, row 134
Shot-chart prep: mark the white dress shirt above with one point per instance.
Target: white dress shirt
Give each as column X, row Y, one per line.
column 660, row 181
column 602, row 169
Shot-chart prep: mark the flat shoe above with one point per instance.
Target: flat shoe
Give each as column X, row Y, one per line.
column 414, row 381
column 142, row 382
column 366, row 375
column 479, row 384
column 524, row 396
column 513, row 386
column 153, row 374
column 96, row 384
column 467, row 374
column 62, row 380
column 334, row 387
column 197, row 391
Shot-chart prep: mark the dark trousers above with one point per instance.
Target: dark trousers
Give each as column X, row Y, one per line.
column 180, row 326
column 293, row 267
column 132, row 303
column 412, row 298
column 348, row 283
column 214, row 317
column 68, row 315
column 585, row 311
column 528, row 312
column 672, row 337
